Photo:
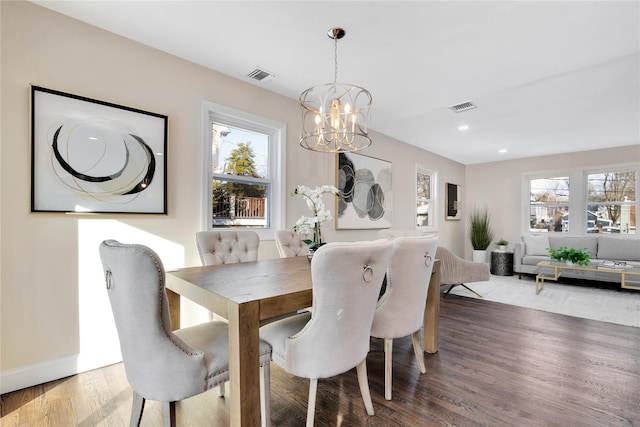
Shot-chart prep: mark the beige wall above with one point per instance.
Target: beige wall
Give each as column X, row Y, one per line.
column 499, row 185
column 55, row 317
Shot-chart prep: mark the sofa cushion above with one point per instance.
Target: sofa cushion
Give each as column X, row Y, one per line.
column 575, row 242
column 534, row 259
column 621, row 248
column 536, row 244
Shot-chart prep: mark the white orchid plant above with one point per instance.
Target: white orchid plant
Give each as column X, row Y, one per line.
column 311, row 225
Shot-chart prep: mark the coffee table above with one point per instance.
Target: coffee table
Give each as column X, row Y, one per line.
column 629, row 277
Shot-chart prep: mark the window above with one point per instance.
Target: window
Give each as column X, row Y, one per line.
column 243, row 157
column 600, row 201
column 549, row 204
column 611, row 202
column 425, row 199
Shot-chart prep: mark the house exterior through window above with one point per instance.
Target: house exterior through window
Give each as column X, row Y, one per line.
column 600, row 201
column 244, row 180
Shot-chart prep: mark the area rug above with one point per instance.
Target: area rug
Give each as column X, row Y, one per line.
column 586, row 300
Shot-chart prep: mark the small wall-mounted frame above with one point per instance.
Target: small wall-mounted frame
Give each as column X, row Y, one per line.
column 426, row 185
column 94, row 156
column 453, row 205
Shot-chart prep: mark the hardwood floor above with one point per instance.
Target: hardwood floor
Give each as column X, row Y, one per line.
column 498, row 365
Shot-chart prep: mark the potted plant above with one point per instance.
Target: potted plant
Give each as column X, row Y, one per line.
column 570, row 255
column 480, row 233
column 502, row 244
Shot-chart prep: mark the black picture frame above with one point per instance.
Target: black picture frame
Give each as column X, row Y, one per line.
column 91, row 156
column 453, row 204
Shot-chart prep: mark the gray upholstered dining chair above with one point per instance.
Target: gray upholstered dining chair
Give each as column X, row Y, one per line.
column 334, row 337
column 290, row 243
column 227, row 247
column 456, row 271
column 400, row 310
column 161, row 364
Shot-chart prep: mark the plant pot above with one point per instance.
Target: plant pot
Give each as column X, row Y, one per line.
column 502, row 247
column 310, row 254
column 479, row 255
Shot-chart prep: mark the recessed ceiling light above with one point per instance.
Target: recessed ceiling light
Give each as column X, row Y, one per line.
column 463, row 127
column 504, row 150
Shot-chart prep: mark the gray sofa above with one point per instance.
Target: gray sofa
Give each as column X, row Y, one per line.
column 602, row 247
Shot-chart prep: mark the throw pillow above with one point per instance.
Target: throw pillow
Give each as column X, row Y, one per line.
column 536, row 244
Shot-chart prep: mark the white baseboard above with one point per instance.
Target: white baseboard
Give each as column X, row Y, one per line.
column 30, row 375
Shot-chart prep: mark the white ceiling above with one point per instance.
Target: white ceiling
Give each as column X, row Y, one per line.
column 547, row 76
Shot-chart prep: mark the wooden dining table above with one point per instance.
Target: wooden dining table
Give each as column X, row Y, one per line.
column 248, row 294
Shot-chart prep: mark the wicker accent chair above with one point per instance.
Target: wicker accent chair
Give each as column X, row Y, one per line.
column 456, row 271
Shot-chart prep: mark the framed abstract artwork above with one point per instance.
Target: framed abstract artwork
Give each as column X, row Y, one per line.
column 426, row 184
column 366, row 199
column 94, row 156
column 453, row 211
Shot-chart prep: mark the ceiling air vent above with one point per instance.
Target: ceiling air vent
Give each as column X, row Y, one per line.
column 261, row 75
column 465, row 106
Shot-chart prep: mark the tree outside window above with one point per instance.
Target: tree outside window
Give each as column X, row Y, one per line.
column 549, row 204
column 601, row 201
column 239, row 184
column 611, row 206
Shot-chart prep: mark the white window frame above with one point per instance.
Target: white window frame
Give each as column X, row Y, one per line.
column 628, row 168
column 433, row 200
column 577, row 195
column 573, row 181
column 276, row 210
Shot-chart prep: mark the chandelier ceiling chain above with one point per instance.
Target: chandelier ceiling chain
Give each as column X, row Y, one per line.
column 335, row 60
column 334, row 116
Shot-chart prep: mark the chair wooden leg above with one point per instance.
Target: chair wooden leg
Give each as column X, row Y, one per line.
column 363, row 382
column 136, row 410
column 388, row 367
column 417, row 349
column 311, row 406
column 169, row 414
column 265, row 395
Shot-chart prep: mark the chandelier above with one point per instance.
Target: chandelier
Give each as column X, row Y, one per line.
column 335, row 115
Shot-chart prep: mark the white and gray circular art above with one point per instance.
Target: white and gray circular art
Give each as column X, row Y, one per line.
column 101, row 159
column 362, row 190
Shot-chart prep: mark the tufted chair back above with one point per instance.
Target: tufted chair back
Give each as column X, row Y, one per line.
column 290, row 243
column 227, row 247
